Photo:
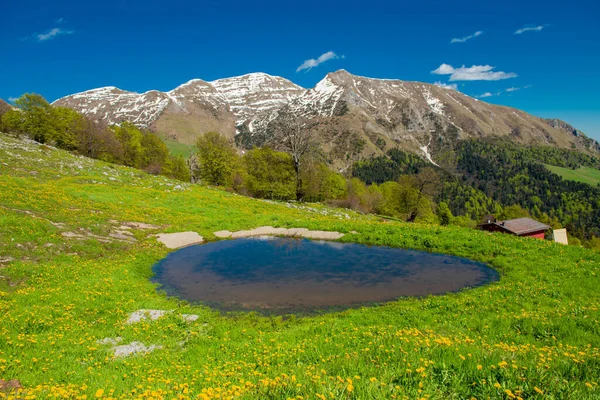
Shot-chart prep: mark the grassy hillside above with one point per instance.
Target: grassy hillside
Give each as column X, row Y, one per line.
column 177, row 148
column 588, row 175
column 533, row 334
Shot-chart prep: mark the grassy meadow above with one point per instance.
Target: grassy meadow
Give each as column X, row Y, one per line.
column 535, row 334
column 177, row 148
column 588, row 175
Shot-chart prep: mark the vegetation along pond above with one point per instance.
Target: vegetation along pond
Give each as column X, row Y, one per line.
column 285, row 275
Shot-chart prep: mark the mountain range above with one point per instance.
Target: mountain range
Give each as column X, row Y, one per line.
column 355, row 116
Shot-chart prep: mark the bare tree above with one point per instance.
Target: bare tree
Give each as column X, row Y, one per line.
column 293, row 134
column 426, row 183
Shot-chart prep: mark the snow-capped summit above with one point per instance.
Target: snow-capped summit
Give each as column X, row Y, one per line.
column 254, row 94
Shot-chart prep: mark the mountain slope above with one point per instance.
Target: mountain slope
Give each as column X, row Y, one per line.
column 357, row 116
column 252, row 95
column 419, row 117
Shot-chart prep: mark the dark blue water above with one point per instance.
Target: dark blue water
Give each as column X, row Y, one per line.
column 282, row 275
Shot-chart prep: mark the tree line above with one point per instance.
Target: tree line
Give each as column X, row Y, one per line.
column 65, row 128
column 498, row 177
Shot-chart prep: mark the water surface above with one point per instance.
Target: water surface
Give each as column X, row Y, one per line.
column 281, row 275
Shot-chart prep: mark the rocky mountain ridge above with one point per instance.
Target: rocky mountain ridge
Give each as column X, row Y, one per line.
column 357, row 116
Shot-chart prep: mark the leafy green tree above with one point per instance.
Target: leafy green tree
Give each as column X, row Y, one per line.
column 69, row 124
column 217, row 159
column 271, row 174
column 35, row 118
column 444, row 214
column 321, row 183
column 155, row 153
column 4, row 108
column 593, row 243
column 176, row 167
column 12, row 122
column 512, row 212
column 130, row 137
column 333, row 186
column 372, row 198
column 96, row 140
column 464, row 221
column 356, row 190
column 390, row 204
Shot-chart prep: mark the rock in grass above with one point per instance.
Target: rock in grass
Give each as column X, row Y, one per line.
column 109, row 340
column 7, row 386
column 134, row 348
column 153, row 315
column 189, row 317
column 179, row 239
column 141, row 315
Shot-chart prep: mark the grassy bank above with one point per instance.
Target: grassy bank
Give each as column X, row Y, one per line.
column 533, row 334
column 588, row 175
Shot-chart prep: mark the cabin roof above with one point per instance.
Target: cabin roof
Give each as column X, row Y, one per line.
column 521, row 226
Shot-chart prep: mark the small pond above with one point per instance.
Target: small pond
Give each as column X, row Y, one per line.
column 285, row 275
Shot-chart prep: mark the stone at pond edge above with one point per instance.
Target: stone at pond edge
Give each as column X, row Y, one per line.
column 223, row 234
column 291, row 232
column 179, row 239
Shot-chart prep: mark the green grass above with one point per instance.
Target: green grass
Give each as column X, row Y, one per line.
column 534, row 334
column 177, row 148
column 588, row 175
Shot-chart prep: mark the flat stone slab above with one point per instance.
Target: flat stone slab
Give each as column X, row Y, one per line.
column 223, row 234
column 142, row 315
column 179, row 239
column 270, row 231
column 153, row 315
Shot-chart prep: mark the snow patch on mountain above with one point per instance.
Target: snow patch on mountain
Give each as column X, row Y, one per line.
column 252, row 95
column 436, row 105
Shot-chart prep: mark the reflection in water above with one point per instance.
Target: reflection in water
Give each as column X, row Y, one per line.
column 279, row 275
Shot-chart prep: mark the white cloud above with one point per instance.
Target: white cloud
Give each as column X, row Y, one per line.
column 486, row 94
column 464, row 39
column 452, row 86
column 530, row 29
column 514, row 88
column 13, row 99
column 52, row 33
column 311, row 63
column 59, row 20
column 473, row 73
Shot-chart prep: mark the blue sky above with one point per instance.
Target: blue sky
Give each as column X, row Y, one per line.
column 545, row 54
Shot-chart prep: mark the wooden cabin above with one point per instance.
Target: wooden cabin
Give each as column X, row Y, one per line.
column 519, row 227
